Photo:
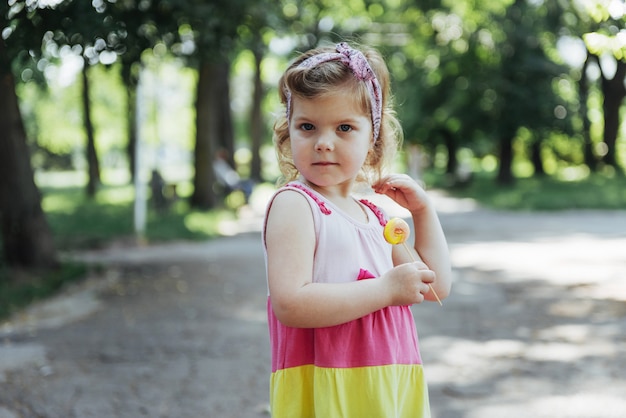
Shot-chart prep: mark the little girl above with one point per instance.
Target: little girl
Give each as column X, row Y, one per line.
column 343, row 338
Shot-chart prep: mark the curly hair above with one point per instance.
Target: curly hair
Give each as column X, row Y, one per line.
column 324, row 79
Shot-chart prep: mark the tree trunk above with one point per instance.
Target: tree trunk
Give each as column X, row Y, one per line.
column 26, row 237
column 93, row 165
column 583, row 94
column 451, row 148
column 535, row 157
column 505, row 172
column 131, row 92
column 225, row 135
column 130, row 82
column 207, row 133
column 256, row 119
column 614, row 93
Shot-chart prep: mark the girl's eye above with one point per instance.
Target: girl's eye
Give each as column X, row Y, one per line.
column 345, row 128
column 307, row 127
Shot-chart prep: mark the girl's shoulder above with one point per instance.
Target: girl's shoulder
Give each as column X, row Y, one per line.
column 293, row 200
column 301, row 188
column 290, row 209
column 299, row 192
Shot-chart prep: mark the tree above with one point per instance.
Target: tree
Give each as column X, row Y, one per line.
column 85, row 28
column 613, row 92
column 212, row 28
column 256, row 115
column 583, row 96
column 600, row 26
column 442, row 83
column 93, row 163
column 26, row 237
column 79, row 25
column 133, row 29
column 525, row 94
column 212, row 118
column 258, row 16
column 482, row 74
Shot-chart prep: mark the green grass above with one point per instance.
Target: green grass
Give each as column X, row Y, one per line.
column 81, row 223
column 534, row 194
column 19, row 289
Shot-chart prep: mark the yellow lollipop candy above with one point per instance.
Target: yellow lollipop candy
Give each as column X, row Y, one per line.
column 397, row 231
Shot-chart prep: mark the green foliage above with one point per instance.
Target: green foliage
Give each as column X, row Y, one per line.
column 54, row 117
column 479, row 72
column 468, row 72
column 607, row 38
column 547, row 193
column 465, row 72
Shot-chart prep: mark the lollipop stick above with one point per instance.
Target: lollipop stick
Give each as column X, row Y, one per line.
column 406, row 247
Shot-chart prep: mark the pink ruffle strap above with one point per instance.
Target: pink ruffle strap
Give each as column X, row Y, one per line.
column 379, row 213
column 321, row 204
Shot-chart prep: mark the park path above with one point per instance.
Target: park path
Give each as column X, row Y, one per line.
column 536, row 325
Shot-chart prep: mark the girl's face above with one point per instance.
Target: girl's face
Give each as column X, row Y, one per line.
column 330, row 138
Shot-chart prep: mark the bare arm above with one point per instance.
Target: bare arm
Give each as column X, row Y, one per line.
column 298, row 302
column 429, row 240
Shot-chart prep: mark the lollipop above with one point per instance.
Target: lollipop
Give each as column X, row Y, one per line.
column 397, row 231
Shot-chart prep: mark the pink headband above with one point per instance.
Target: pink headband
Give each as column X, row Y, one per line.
column 356, row 61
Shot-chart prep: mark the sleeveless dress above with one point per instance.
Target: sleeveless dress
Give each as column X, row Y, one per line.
column 369, row 367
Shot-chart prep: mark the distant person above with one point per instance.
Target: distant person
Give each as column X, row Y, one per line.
column 343, row 337
column 157, row 187
column 228, row 178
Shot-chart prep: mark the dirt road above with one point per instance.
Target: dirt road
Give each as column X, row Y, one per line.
column 536, row 326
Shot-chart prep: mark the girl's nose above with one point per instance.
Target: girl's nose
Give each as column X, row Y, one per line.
column 324, row 143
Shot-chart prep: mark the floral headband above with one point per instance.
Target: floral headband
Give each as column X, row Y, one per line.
column 356, row 61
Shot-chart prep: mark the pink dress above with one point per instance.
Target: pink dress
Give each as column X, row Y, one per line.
column 369, row 367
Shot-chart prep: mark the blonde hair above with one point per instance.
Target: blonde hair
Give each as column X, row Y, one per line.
column 324, row 79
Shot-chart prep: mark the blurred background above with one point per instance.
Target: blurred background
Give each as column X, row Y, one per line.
column 150, row 120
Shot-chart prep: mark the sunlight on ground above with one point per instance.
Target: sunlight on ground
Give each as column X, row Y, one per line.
column 587, row 405
column 78, row 178
column 57, row 203
column 198, row 222
column 466, row 361
column 60, row 178
column 117, row 195
column 506, row 378
column 564, row 260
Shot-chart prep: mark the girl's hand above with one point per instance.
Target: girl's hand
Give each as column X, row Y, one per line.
column 429, row 240
column 408, row 283
column 403, row 190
